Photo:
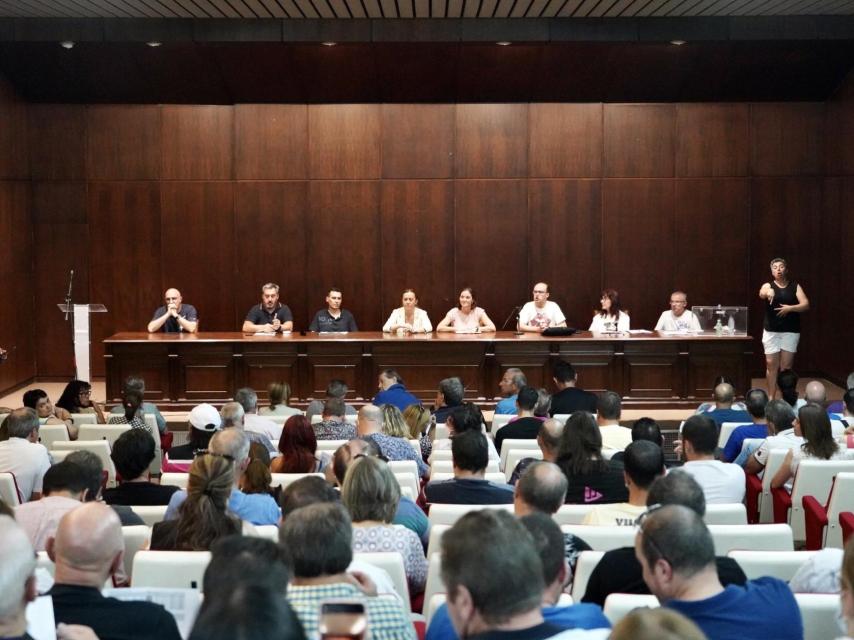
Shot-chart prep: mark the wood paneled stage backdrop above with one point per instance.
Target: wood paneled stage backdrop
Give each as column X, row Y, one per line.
column 373, row 198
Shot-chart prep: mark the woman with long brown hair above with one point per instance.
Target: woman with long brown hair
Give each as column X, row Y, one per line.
column 298, row 446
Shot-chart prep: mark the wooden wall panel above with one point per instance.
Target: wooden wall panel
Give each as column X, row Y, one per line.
column 59, row 202
column 417, row 236
column 712, row 247
column 271, row 141
column 197, row 142
column 57, row 140
column 565, row 140
column 344, row 141
column 491, row 141
column 840, row 138
column 197, row 244
column 124, row 223
column 787, row 139
column 712, row 140
column 638, row 245
column 491, row 243
column 123, row 142
column 639, row 140
column 418, row 140
column 344, row 247
column 270, row 246
column 564, row 242
column 14, row 150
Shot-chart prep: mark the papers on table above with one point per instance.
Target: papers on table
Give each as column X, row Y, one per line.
column 183, row 604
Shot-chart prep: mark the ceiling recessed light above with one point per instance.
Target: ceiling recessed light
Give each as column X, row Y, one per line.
column 678, row 43
column 503, row 43
column 329, row 44
column 67, row 44
column 154, row 43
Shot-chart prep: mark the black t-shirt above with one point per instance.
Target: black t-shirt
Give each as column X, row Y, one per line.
column 520, row 429
column 620, row 572
column 539, row 632
column 791, row 322
column 140, row 494
column 571, row 400
column 258, row 315
column 468, row 491
column 323, row 321
column 598, row 487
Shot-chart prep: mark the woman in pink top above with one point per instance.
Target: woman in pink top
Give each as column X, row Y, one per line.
column 467, row 317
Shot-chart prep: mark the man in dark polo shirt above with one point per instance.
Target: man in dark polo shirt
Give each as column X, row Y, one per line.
column 526, row 426
column 569, row 398
column 174, row 316
column 333, row 318
column 469, row 486
column 270, row 315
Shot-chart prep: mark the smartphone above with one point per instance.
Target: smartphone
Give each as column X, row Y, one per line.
column 343, row 620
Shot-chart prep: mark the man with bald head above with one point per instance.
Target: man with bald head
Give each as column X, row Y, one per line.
column 548, row 440
column 88, row 549
column 174, row 316
column 17, row 579
column 369, row 424
column 723, row 411
column 541, row 313
column 816, row 392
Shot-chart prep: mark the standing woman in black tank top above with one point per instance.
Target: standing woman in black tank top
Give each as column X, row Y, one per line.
column 785, row 300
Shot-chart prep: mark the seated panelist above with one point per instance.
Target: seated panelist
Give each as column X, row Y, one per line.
column 467, row 316
column 610, row 317
column 333, row 317
column 174, row 316
column 541, row 313
column 270, row 315
column 408, row 318
column 679, row 318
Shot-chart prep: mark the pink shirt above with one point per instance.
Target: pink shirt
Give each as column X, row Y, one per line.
column 41, row 518
column 461, row 321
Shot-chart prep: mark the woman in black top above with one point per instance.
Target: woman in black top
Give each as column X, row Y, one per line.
column 592, row 478
column 785, row 300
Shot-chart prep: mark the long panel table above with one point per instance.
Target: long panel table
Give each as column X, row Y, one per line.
column 181, row 370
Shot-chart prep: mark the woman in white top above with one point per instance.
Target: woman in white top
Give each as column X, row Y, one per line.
column 610, row 317
column 467, row 316
column 409, row 317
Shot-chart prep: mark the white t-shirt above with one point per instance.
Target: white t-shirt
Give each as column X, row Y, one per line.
column 622, row 514
column 29, row 462
column 549, row 316
column 265, row 426
column 784, row 440
column 686, row 322
column 615, row 437
column 722, row 482
column 602, row 324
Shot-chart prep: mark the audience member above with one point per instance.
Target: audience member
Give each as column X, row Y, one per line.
column 371, row 494
column 820, row 573
column 847, row 417
column 23, row 455
column 133, row 415
column 509, row 385
column 466, row 417
column 279, row 393
column 257, row 477
column 548, row 439
column 38, row 401
column 393, row 391
column 839, row 405
column 643, row 429
column 450, row 395
column 232, row 415
column 723, row 411
column 248, row 399
column 526, row 426
column 420, row 424
column 93, row 472
column 17, row 579
column 544, row 403
column 846, row 591
column 756, row 400
column 710, row 406
column 787, row 382
column 592, row 478
column 469, row 486
column 393, row 423
column 608, row 411
column 147, row 408
column 677, row 554
column 335, row 389
column 334, row 425
column 816, row 393
column 722, row 482
column 88, row 549
column 547, row 538
column 132, row 454
column 319, row 540
column 369, row 425
column 77, row 398
column 204, row 421
column 569, row 398
column 643, row 462
column 656, row 624
column 619, row 571
column 779, row 416
column 298, row 446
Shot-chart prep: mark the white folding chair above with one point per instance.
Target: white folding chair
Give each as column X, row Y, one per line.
column 330, row 446
column 617, row 605
column 448, row 514
column 268, row 531
column 510, row 444
column 285, row 479
column 78, row 419
column 441, row 431
column 725, row 514
column 51, row 433
column 392, row 563
column 135, row 537
column 150, row 514
column 409, row 481
column 316, row 418
column 561, row 417
column 751, row 443
column 108, row 432
column 514, row 456
column 58, row 456
column 778, row 564
column 587, row 561
column 100, row 448
column 602, row 538
column 434, row 543
column 813, row 478
column 841, row 500
column 500, row 420
column 171, row 569
column 434, row 585
column 440, row 454
column 416, row 446
column 492, row 476
column 447, row 466
column 351, row 418
column 407, row 492
column 175, row 479
column 818, row 612
column 572, row 513
column 9, row 489
column 726, row 431
column 432, row 605
column 837, row 428
column 775, row 460
column 751, row 537
column 404, row 466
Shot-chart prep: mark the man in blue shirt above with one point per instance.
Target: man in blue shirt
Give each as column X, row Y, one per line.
column 392, row 391
column 510, row 383
column 677, row 554
column 756, row 400
column 723, row 411
column 548, row 541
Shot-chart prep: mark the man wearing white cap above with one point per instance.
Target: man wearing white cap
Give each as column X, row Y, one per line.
column 203, row 422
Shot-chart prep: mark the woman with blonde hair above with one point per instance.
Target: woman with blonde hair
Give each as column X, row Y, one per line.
column 656, row 624
column 419, row 420
column 393, row 423
column 279, row 392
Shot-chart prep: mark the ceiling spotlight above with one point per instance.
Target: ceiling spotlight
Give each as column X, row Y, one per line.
column 328, row 44
column 503, row 43
column 154, row 43
column 678, row 43
column 67, row 44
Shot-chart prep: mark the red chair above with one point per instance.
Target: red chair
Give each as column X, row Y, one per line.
column 846, row 521
column 815, row 520
column 751, row 500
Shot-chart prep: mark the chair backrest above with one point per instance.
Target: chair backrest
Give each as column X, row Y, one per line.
column 150, row 515
column 268, row 531
column 561, row 417
column 602, row 538
column 9, row 489
column 434, row 543
column 84, row 418
column 416, row 445
column 408, row 480
column 441, row 431
column 434, row 584
column 50, row 433
column 392, row 563
column 57, row 455
column 751, row 537
column 432, row 605
column 818, row 612
column 175, row 479
column 725, row 514
column 751, row 443
column 775, row 460
column 726, row 431
column 447, row 466
column 100, row 448
column 108, row 432
column 509, row 444
column 449, row 513
column 492, row 476
column 403, row 466
column 499, row 420
column 587, row 561
column 778, row 564
column 617, row 605
column 316, row 418
column 572, row 513
column 837, row 428
column 841, row 500
column 813, row 478
column 43, row 561
column 329, row 445
column 441, row 454
column 176, row 569
column 285, row 479
column 135, row 538
column 515, row 455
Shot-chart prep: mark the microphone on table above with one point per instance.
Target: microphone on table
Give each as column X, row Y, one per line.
column 514, row 311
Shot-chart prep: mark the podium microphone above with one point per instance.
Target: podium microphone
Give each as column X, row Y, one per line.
column 68, row 295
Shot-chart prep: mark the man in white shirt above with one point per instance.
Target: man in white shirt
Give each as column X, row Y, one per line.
column 540, row 313
column 22, row 454
column 722, row 482
column 679, row 318
column 779, row 417
column 248, row 399
column 608, row 412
